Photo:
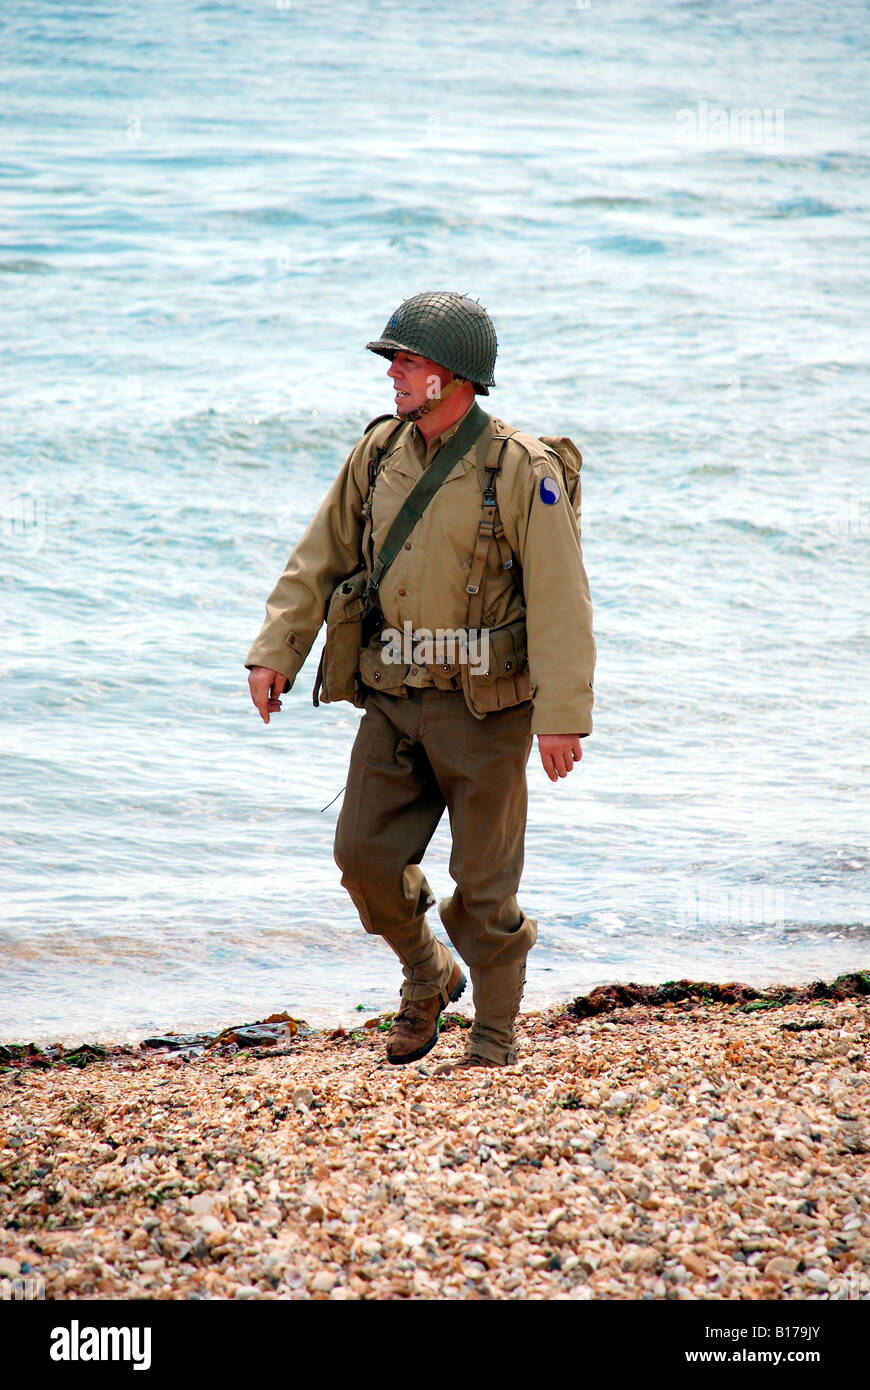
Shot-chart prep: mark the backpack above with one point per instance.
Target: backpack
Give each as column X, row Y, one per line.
column 565, row 449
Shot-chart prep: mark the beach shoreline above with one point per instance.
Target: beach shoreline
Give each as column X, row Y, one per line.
column 282, row 1028
column 681, row 1141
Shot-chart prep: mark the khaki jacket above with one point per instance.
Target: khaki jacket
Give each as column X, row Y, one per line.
column 426, row 583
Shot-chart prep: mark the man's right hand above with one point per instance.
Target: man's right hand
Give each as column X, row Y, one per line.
column 265, row 687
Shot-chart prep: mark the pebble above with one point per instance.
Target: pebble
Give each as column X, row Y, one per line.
column 209, row 1225
column 686, row 1154
column 617, row 1100
column 637, row 1257
column 203, row 1203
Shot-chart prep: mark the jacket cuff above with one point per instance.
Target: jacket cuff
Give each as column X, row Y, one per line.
column 287, row 657
column 549, row 718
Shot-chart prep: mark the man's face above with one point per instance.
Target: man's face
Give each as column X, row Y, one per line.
column 416, row 380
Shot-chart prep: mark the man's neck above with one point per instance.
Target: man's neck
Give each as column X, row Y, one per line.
column 436, row 421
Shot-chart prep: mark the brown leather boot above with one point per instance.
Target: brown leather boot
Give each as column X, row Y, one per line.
column 415, row 1026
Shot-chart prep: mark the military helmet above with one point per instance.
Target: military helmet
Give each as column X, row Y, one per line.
column 450, row 329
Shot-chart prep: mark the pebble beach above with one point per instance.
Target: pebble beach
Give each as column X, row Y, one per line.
column 681, row 1142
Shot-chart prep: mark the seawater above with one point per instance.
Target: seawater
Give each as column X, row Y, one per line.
column 208, row 209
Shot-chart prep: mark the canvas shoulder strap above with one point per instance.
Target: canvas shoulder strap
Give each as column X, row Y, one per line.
column 424, row 490
column 388, row 436
column 490, row 529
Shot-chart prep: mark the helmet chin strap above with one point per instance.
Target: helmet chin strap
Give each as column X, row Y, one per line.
column 435, row 401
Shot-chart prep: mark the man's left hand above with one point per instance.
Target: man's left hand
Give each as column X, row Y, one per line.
column 559, row 753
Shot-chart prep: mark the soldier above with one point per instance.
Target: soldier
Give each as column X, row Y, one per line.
column 494, row 551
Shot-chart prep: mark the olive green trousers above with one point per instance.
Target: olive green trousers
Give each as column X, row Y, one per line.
column 412, row 758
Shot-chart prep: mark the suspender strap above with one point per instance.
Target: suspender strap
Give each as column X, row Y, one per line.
column 374, row 469
column 425, row 488
column 490, row 528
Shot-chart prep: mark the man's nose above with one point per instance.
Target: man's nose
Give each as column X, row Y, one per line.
column 393, row 370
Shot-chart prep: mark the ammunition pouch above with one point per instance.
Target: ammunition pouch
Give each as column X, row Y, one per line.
column 446, row 675
column 506, row 680
column 380, row 674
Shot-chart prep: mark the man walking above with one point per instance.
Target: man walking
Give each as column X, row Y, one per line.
column 459, row 524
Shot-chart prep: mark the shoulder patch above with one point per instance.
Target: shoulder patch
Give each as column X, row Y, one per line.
column 549, row 491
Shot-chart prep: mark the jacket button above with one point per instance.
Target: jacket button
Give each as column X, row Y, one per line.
column 402, row 593
column 508, row 665
column 414, row 671
column 377, row 675
column 407, row 545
